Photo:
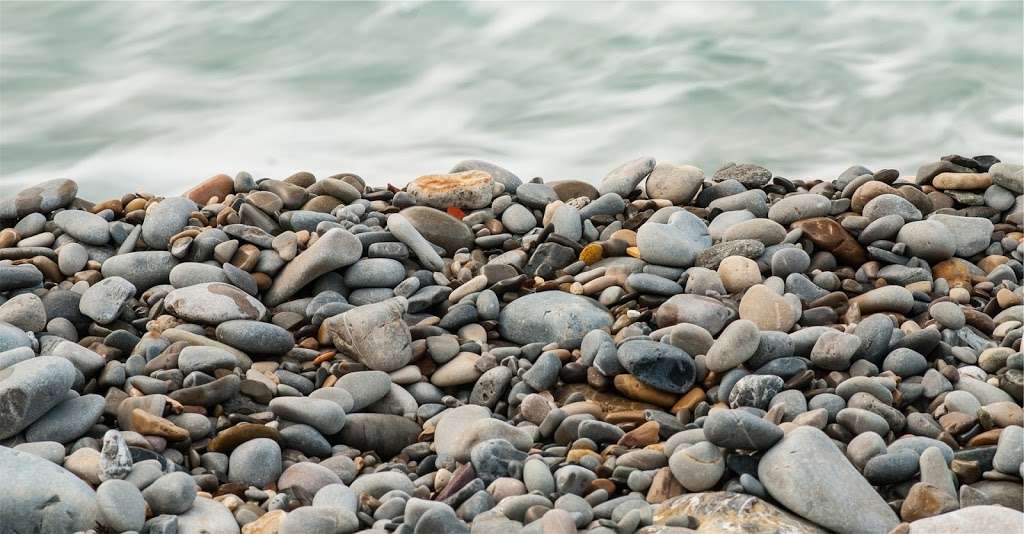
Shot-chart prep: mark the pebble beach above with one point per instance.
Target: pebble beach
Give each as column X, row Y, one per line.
column 661, row 350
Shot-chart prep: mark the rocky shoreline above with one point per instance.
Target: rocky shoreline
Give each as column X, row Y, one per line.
column 664, row 352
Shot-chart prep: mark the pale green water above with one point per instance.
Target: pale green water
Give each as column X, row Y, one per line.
column 154, row 96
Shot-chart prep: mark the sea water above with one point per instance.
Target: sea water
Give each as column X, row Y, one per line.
column 155, row 96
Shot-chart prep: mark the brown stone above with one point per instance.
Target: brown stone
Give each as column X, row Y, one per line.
column 957, row 422
column 962, row 180
column 8, row 237
column 592, row 253
column 926, row 500
column 828, row 234
column 641, row 436
column 629, row 236
column 626, row 417
column 608, row 402
column 603, row 483
column 229, row 438
column 219, row 186
column 988, row 437
column 955, row 270
column 151, row 425
column 664, row 486
column 689, row 401
column 466, row 190
column 268, row 523
column 866, row 192
column 246, row 256
column 988, row 263
column 576, row 455
column 633, row 388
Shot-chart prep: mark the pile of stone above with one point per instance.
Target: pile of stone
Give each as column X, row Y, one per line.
column 663, row 353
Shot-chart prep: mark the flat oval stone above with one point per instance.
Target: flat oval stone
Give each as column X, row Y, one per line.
column 374, row 272
column 386, row 434
column 68, row 420
column 801, row 206
column 469, row 189
column 143, row 269
column 86, row 227
column 552, row 316
column 724, row 511
column 213, row 303
column 255, row 337
column 708, row 313
column 659, row 365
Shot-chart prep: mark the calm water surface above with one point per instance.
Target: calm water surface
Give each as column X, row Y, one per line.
column 154, row 96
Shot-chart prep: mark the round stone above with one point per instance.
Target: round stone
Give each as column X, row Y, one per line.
column 256, row 462
column 675, row 183
column 121, row 506
column 948, row 314
column 172, row 493
column 697, row 467
column 928, row 240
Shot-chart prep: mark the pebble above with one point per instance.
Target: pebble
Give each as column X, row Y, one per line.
column 658, row 365
column 623, row 179
column 121, row 506
column 375, row 334
column 675, row 183
column 757, row 434
column 552, row 317
column 165, row 219
column 471, row 353
column 470, row 189
column 256, row 462
column 87, row 228
column 336, row 248
column 172, row 493
column 675, row 244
